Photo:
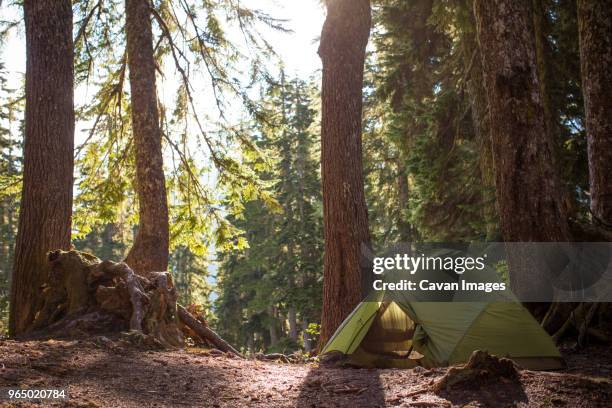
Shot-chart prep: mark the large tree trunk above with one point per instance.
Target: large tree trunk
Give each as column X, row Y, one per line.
column 528, row 188
column 342, row 50
column 150, row 250
column 46, row 200
column 595, row 29
column 595, row 32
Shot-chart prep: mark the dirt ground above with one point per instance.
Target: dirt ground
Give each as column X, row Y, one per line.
column 100, row 372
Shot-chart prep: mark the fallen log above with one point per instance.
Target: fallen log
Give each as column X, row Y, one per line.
column 272, row 357
column 205, row 332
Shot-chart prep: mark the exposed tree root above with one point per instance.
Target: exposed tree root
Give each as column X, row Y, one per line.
column 582, row 321
column 587, row 232
column 85, row 296
column 579, row 319
column 557, row 315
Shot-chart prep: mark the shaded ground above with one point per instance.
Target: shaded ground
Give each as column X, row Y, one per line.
column 102, row 373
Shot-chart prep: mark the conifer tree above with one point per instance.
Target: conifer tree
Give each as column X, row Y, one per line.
column 11, row 136
column 46, row 198
column 342, row 50
column 149, row 252
column 277, row 278
column 528, row 186
column 428, row 71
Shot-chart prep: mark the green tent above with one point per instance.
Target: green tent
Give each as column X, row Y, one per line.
column 405, row 334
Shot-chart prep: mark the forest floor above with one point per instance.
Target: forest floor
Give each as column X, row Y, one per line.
column 100, row 372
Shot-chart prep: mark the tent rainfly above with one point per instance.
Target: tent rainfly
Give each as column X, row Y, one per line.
column 404, row 334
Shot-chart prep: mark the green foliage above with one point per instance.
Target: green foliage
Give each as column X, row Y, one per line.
column 314, row 329
column 446, row 200
column 423, row 83
column 419, row 128
column 212, row 57
column 205, row 179
column 284, row 346
column 106, row 242
column 11, row 130
column 502, row 270
column 566, row 100
column 282, row 267
column 190, row 273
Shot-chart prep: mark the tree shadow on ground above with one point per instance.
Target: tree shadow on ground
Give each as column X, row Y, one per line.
column 157, row 381
column 329, row 386
column 99, row 375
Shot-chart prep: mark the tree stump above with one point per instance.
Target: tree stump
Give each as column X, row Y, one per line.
column 84, row 295
column 482, row 368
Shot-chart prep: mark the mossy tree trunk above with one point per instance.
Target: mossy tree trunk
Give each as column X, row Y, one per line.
column 528, row 186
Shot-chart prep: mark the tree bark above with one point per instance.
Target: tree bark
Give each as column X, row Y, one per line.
column 528, row 188
column 150, row 250
column 46, row 200
column 595, row 36
column 344, row 38
column 595, row 30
